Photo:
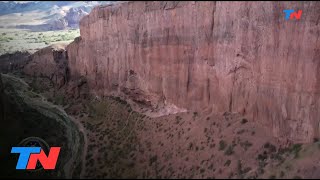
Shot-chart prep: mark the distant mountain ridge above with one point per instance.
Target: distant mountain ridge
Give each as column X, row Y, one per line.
column 8, row 7
column 45, row 15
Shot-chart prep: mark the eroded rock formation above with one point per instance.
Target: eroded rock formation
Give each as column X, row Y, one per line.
column 228, row 56
column 50, row 62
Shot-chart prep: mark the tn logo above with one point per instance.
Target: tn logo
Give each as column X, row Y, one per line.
column 290, row 14
column 29, row 157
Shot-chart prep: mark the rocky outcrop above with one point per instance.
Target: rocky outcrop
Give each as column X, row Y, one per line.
column 11, row 62
column 50, row 62
column 58, row 24
column 74, row 16
column 225, row 56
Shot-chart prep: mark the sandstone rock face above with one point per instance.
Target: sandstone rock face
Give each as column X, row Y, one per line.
column 225, row 56
column 50, row 62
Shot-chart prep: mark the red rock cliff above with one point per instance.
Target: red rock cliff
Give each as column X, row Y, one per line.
column 228, row 56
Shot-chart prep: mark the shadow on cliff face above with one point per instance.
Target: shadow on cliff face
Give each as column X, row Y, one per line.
column 25, row 114
column 13, row 61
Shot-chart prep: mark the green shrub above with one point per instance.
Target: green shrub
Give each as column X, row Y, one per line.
column 153, row 159
column 262, row 157
column 241, row 131
column 190, row 146
column 60, row 100
column 270, row 146
column 246, row 170
column 243, row 121
column 239, row 168
column 202, row 170
column 245, row 145
column 229, row 151
column 195, row 114
column 227, row 163
column 222, row 145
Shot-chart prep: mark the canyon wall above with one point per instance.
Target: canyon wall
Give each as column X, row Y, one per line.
column 225, row 56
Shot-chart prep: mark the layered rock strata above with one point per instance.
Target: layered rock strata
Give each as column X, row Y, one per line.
column 229, row 56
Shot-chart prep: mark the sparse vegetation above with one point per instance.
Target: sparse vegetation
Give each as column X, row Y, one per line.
column 295, row 149
column 5, row 39
column 27, row 40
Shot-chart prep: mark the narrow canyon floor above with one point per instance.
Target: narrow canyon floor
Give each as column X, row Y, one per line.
column 122, row 143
